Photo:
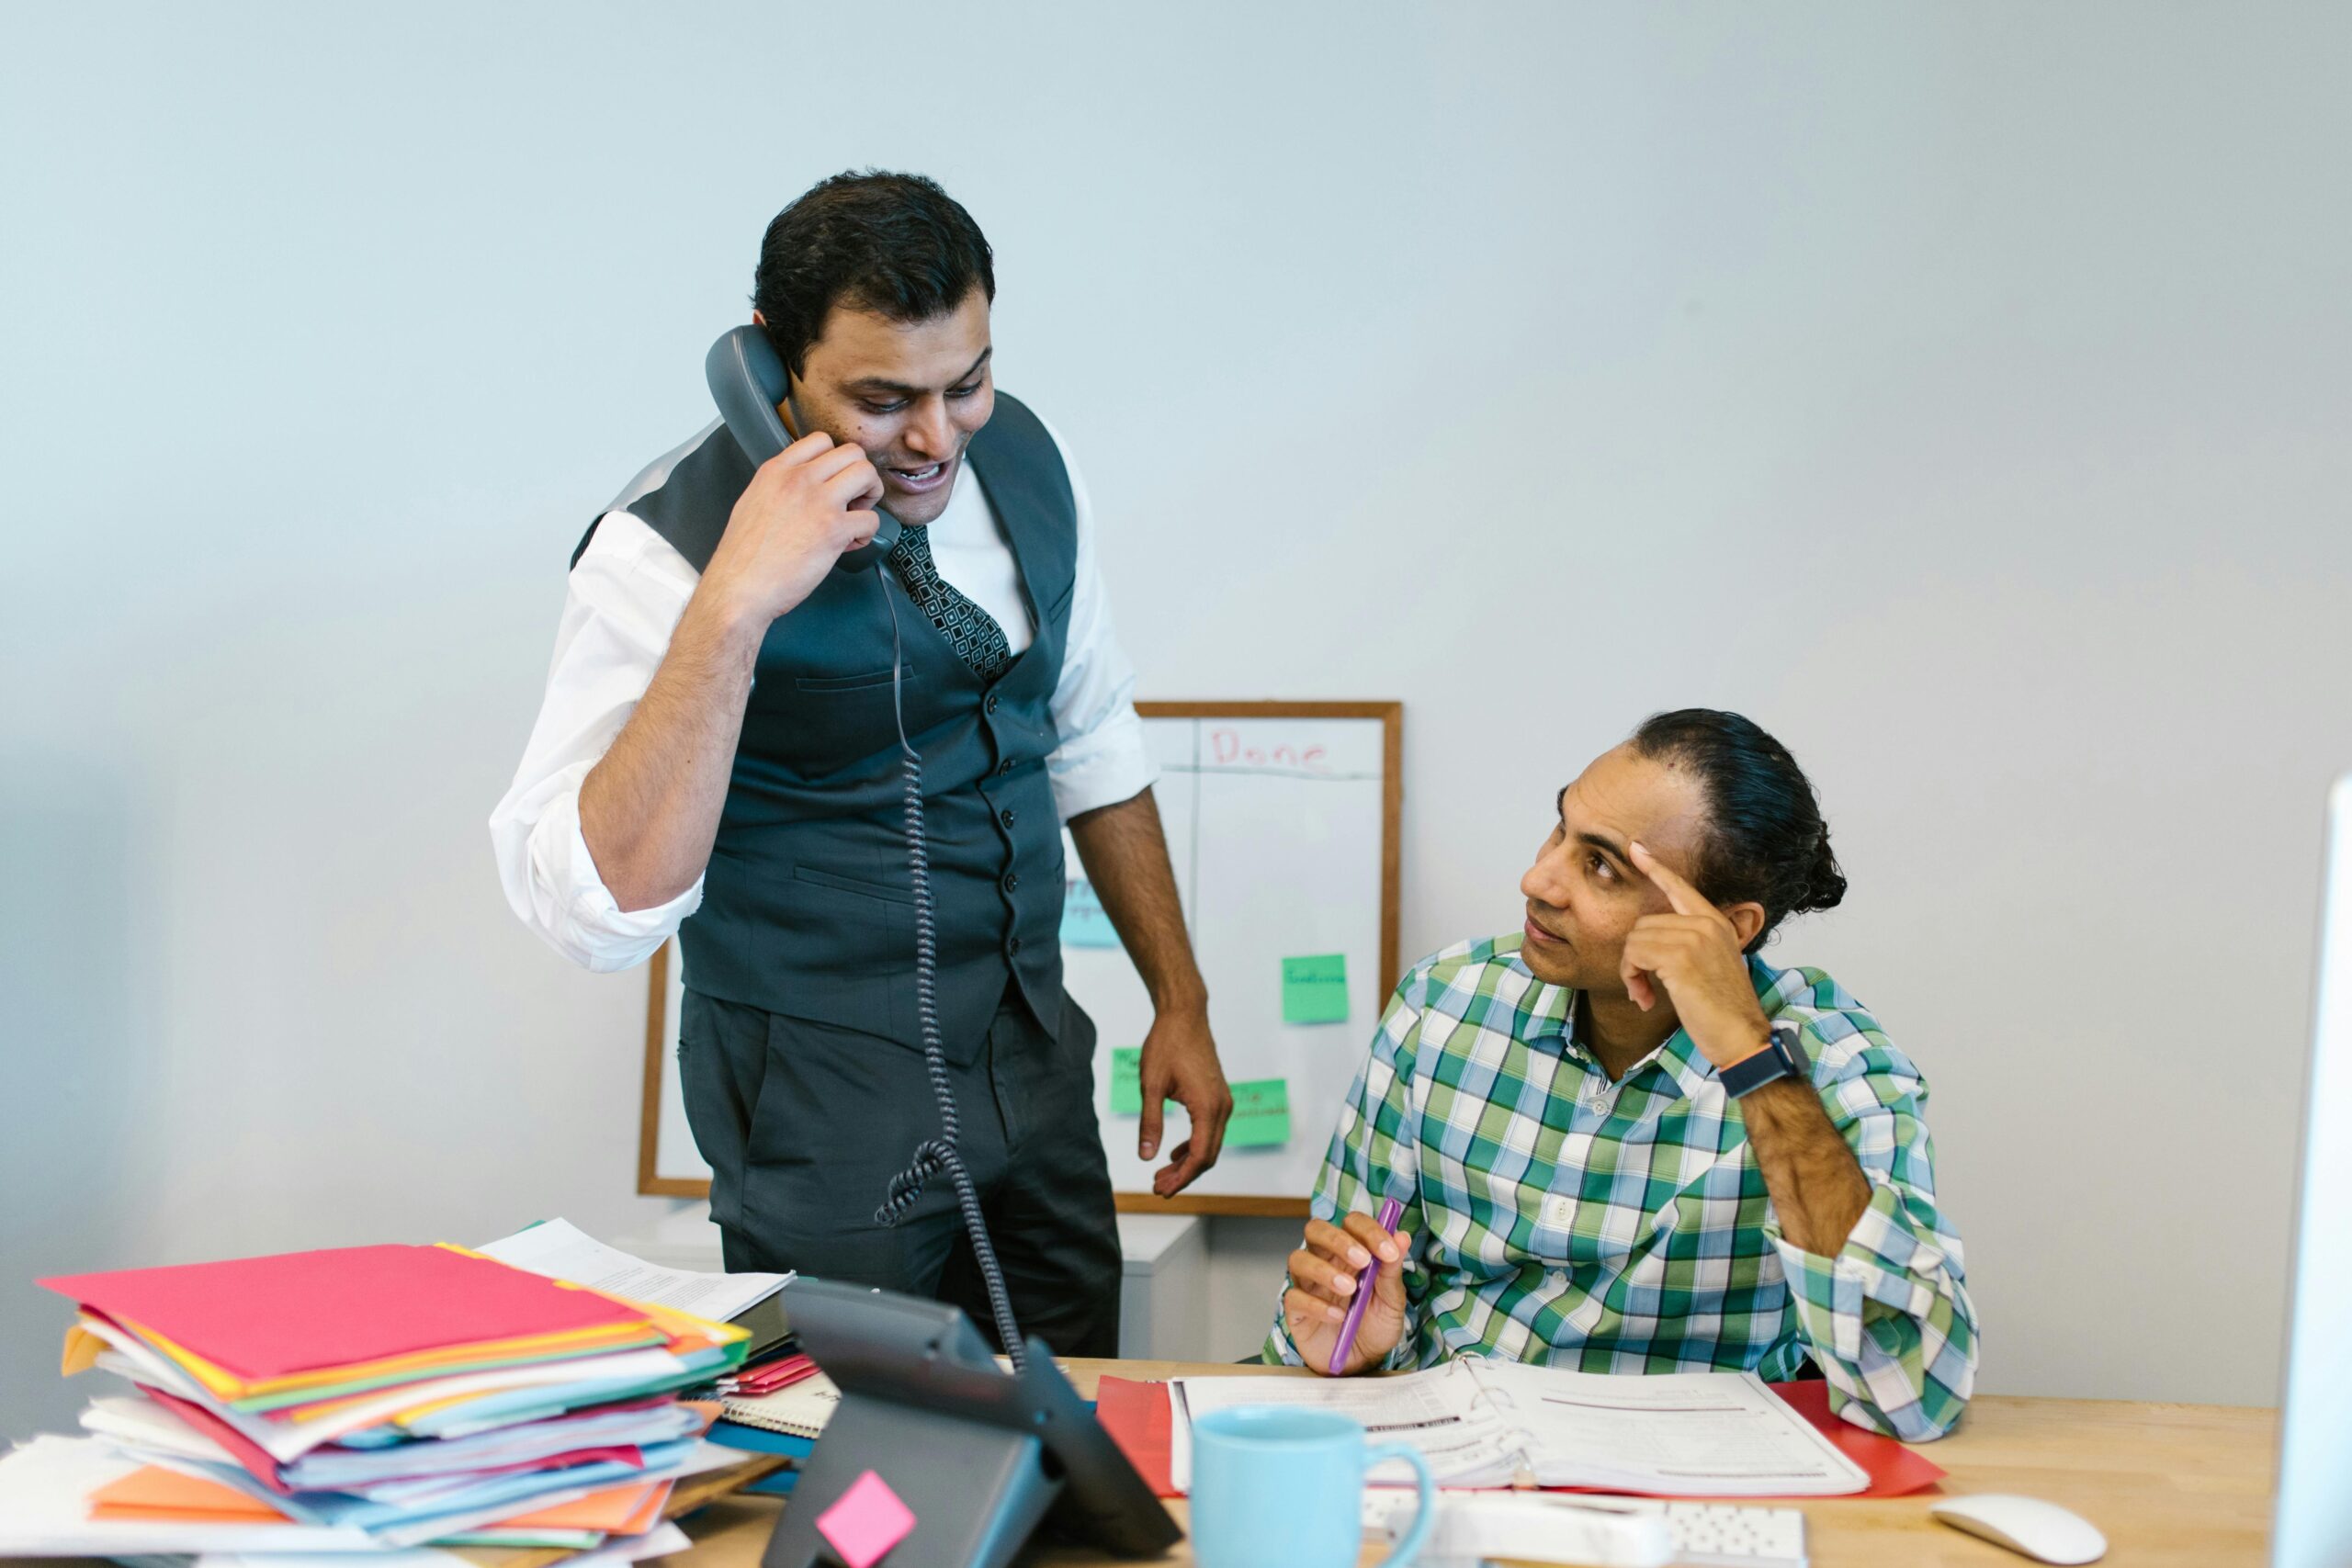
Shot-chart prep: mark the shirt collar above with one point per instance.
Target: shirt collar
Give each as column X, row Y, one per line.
column 1546, row 1007
column 1552, row 1009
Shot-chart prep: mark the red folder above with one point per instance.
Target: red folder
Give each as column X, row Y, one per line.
column 1137, row 1417
column 304, row 1311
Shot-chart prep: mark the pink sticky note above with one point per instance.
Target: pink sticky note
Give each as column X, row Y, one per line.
column 867, row 1521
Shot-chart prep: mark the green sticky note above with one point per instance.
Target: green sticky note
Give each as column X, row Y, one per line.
column 1126, row 1081
column 1315, row 989
column 1260, row 1114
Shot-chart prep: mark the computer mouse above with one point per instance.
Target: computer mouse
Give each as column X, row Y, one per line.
column 2043, row 1531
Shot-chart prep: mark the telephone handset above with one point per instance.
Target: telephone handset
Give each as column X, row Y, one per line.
column 746, row 382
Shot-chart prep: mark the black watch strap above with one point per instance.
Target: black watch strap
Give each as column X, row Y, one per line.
column 1778, row 1059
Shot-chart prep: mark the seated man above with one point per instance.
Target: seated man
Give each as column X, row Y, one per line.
column 1623, row 1143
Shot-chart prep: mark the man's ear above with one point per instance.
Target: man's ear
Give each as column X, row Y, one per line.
column 1746, row 919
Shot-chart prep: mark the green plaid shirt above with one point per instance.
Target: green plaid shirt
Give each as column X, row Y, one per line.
column 1557, row 1217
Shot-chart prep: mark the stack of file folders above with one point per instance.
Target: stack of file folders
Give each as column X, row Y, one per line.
column 365, row 1398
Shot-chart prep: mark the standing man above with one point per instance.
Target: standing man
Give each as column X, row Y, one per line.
column 717, row 755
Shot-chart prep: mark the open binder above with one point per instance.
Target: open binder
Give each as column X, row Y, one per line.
column 1487, row 1423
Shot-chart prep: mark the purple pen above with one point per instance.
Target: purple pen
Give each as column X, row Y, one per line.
column 1391, row 1212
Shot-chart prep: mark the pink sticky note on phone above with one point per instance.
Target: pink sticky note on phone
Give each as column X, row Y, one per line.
column 867, row 1521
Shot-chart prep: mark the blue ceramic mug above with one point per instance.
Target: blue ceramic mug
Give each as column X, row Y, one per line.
column 1276, row 1486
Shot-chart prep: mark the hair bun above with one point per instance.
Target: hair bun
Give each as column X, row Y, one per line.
column 1825, row 888
column 1764, row 840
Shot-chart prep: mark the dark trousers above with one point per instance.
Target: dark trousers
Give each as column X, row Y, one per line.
column 804, row 1123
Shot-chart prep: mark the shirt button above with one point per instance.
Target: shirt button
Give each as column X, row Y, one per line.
column 1005, row 817
column 1011, row 881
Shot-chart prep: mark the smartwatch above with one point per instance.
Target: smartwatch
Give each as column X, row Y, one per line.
column 1778, row 1059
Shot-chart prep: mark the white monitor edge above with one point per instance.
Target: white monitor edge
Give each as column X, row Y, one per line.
column 2313, row 1525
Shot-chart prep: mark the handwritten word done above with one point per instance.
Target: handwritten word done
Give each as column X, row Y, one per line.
column 1227, row 750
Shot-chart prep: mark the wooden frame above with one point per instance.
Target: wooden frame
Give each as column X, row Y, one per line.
column 649, row 1121
column 1391, row 716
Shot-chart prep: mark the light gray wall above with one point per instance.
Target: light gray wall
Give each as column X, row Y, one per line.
column 1961, row 391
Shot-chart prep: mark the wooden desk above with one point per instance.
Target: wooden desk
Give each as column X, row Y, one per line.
column 2176, row 1484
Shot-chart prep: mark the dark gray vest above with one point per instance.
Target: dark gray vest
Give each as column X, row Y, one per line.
column 808, row 908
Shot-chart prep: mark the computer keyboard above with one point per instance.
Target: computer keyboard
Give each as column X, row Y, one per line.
column 1612, row 1532
column 1721, row 1535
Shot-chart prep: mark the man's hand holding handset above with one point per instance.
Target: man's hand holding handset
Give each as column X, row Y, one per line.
column 805, row 508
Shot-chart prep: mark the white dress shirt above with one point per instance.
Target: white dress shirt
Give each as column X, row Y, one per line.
column 620, row 607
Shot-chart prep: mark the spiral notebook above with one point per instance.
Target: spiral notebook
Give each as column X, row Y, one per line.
column 800, row 1409
column 1487, row 1422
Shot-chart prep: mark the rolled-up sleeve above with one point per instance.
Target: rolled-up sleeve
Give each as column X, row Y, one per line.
column 621, row 604
column 1101, row 757
column 1888, row 1318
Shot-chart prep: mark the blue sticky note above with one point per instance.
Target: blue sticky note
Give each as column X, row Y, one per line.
column 1083, row 922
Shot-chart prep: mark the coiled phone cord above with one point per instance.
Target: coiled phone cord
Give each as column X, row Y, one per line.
column 936, row 1153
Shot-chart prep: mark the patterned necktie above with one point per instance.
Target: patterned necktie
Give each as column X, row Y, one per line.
column 974, row 634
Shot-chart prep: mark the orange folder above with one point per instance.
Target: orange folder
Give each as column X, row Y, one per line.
column 156, row 1493
column 631, row 1508
column 151, row 1492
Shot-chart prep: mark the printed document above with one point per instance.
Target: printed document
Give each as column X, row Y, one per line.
column 560, row 1250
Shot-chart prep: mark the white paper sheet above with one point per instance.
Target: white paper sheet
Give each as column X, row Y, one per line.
column 560, row 1250
column 1699, row 1434
column 135, row 1422
column 659, row 1541
column 1438, row 1411
column 1470, row 1527
column 45, row 1487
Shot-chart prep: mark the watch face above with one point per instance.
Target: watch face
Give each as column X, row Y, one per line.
column 1778, row 1059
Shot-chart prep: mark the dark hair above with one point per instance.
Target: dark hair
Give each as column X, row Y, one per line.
column 896, row 244
column 1765, row 839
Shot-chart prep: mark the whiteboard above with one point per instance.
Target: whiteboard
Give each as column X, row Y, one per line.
column 1282, row 821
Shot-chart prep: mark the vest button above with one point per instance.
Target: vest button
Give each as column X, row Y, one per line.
column 1011, row 881
column 990, row 704
column 1005, row 817
column 1011, row 945
column 1004, row 767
